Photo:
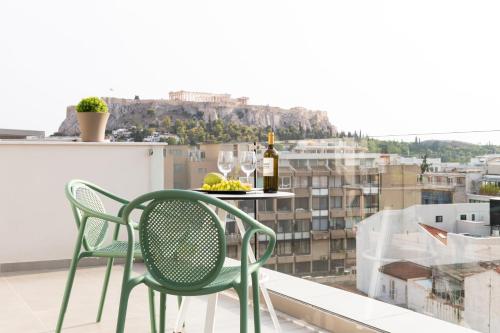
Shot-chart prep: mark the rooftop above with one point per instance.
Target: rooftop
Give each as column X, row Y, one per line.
column 406, row 270
column 20, row 134
column 463, row 270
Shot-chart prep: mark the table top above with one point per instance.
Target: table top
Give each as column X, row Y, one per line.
column 254, row 195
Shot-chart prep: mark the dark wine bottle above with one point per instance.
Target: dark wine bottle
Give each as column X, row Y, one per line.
column 270, row 166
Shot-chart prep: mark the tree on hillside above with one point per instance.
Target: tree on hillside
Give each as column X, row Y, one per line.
column 167, row 122
column 424, row 167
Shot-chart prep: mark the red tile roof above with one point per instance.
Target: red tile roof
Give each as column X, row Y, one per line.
column 406, row 270
column 437, row 233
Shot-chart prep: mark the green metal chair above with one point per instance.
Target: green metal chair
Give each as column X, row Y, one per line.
column 184, row 248
column 93, row 224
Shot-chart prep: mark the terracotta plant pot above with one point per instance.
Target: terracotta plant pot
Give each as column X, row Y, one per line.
column 92, row 125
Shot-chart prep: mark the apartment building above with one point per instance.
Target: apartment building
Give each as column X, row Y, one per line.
column 336, row 183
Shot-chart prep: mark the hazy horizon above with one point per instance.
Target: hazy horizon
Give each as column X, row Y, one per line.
column 382, row 67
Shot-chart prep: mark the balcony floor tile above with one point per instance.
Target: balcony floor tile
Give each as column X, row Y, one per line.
column 33, row 305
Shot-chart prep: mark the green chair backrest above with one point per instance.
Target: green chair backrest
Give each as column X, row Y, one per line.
column 182, row 240
column 96, row 229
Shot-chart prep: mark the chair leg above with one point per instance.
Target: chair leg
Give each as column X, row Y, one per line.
column 163, row 311
column 122, row 312
column 243, row 295
column 256, row 301
column 67, row 292
column 104, row 289
column 152, row 317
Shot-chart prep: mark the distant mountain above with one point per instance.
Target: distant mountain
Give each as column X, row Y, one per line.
column 127, row 113
column 448, row 151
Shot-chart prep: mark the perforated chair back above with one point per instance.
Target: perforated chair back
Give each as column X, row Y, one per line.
column 95, row 229
column 182, row 240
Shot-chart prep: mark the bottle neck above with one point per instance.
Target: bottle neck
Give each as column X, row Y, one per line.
column 270, row 146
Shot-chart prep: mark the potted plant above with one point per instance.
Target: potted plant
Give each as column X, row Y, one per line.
column 92, row 114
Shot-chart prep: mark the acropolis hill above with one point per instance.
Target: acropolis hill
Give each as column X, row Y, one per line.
column 200, row 106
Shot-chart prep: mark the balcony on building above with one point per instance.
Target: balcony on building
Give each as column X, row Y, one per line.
column 39, row 236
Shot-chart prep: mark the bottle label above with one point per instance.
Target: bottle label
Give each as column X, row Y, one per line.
column 268, row 167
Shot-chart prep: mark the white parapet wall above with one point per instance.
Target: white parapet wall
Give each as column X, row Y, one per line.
column 36, row 223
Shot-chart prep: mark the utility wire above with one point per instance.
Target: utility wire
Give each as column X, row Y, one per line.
column 436, row 133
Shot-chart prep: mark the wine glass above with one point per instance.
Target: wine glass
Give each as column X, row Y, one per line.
column 225, row 162
column 248, row 163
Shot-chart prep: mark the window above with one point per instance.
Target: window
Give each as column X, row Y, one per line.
column 284, row 205
column 319, row 181
column 463, row 217
column 284, row 248
column 286, row 268
column 317, row 163
column 336, row 181
column 301, row 182
column 436, row 197
column 299, row 164
column 337, row 245
column 246, row 206
column 351, row 243
column 337, row 223
column 202, row 170
column 269, row 224
column 336, row 202
column 302, row 246
column 262, row 247
column 353, row 202
column 285, row 182
column 302, row 226
column 320, row 203
column 320, row 223
column 301, row 204
column 439, row 218
column 284, row 226
column 266, row 205
column 337, row 266
column 392, row 289
column 302, row 267
column 320, row 265
column 371, row 201
column 230, row 227
column 202, row 155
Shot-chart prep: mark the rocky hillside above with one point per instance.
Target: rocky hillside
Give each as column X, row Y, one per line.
column 125, row 113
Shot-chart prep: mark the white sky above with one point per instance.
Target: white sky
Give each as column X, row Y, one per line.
column 380, row 66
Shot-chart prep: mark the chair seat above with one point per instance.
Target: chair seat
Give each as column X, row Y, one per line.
column 227, row 278
column 117, row 249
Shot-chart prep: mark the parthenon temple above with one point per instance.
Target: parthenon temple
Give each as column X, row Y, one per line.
column 191, row 96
